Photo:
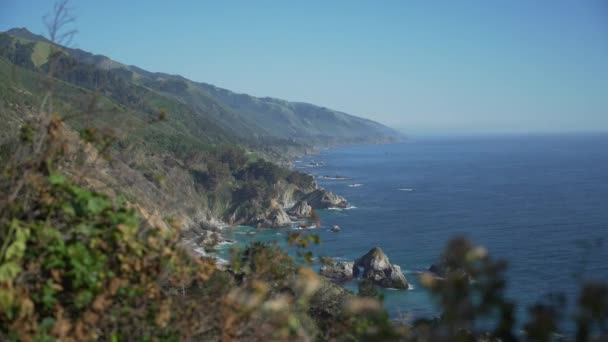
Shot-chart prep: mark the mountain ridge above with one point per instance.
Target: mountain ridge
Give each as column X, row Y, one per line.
column 180, row 148
column 298, row 118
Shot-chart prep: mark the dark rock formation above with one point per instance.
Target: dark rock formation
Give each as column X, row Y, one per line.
column 376, row 266
column 339, row 271
column 300, row 210
column 323, row 199
column 276, row 218
column 336, row 229
column 373, row 266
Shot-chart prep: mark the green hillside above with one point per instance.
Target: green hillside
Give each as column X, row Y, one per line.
column 198, row 112
column 177, row 147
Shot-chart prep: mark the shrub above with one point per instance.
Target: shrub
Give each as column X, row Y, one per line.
column 76, row 264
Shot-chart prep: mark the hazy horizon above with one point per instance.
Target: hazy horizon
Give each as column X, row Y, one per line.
column 470, row 67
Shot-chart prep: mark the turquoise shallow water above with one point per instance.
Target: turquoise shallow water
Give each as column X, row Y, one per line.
column 532, row 200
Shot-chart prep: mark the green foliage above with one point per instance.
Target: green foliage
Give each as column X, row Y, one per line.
column 367, row 288
column 301, row 180
column 262, row 170
column 302, row 241
column 592, row 316
column 265, row 262
column 82, row 263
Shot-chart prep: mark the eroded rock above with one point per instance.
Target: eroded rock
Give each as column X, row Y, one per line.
column 339, row 271
column 323, row 199
column 277, row 218
column 301, row 210
column 376, row 266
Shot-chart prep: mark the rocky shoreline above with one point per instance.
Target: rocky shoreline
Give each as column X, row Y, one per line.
column 296, row 208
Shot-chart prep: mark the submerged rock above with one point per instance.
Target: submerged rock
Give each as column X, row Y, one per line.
column 323, row 199
column 376, row 266
column 339, row 271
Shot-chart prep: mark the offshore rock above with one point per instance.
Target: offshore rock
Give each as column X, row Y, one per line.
column 376, row 266
column 340, row 271
column 323, row 199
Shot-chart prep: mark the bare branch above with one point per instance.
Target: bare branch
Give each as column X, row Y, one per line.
column 57, row 21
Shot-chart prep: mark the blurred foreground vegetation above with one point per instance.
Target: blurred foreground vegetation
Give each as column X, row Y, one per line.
column 79, row 265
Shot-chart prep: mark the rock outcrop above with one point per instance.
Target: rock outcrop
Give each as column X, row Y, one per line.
column 276, row 218
column 300, row 210
column 209, row 238
column 323, row 199
column 376, row 266
column 340, row 271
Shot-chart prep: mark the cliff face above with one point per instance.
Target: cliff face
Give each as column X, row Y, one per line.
column 288, row 203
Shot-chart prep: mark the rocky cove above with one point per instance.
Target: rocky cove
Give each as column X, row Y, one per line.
column 295, row 209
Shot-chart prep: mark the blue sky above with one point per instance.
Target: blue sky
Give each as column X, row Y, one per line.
column 420, row 66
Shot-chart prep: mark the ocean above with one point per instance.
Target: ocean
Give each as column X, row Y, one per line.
column 538, row 201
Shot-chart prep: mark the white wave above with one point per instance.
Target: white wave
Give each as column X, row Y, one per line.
column 410, row 287
column 223, row 243
column 356, row 185
column 405, row 189
column 307, row 228
column 413, row 272
column 221, row 261
column 200, row 251
column 332, row 177
column 350, row 207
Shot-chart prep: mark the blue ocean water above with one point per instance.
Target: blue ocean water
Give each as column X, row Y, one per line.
column 536, row 201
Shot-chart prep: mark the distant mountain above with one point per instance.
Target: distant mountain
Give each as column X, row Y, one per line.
column 198, row 113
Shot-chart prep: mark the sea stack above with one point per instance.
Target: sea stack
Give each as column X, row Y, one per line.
column 376, row 266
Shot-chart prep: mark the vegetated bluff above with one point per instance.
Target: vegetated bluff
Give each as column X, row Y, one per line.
column 200, row 108
column 203, row 161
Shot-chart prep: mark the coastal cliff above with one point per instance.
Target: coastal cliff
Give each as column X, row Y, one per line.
column 128, row 179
